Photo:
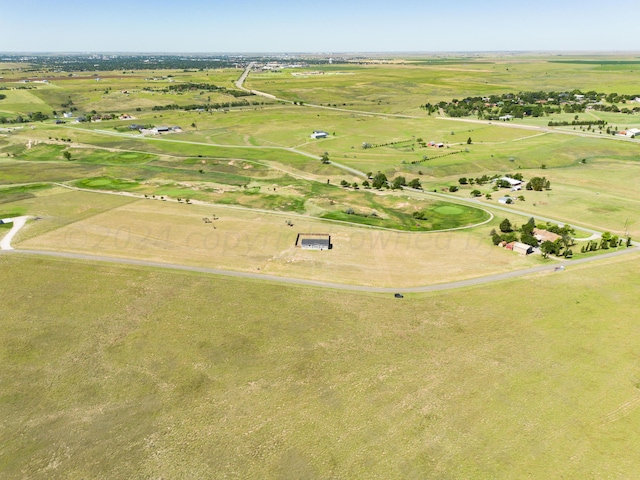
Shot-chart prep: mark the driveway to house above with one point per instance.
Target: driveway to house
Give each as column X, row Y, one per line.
column 18, row 223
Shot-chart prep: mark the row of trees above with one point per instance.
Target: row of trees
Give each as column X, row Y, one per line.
column 538, row 184
column 31, row 117
column 380, row 181
column 204, row 106
column 606, row 241
column 367, row 145
column 602, row 123
column 486, row 179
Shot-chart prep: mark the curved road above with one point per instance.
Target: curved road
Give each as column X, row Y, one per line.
column 5, row 244
column 314, row 283
column 20, row 221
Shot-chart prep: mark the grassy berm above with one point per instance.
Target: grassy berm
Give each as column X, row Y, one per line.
column 123, row 372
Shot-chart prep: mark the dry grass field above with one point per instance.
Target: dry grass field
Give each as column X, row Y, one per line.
column 255, row 241
column 129, row 372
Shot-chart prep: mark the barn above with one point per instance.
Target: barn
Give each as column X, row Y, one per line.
column 315, row 244
column 314, row 241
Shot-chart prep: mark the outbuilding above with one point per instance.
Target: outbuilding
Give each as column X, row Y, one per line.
column 315, row 244
column 522, row 248
column 319, row 134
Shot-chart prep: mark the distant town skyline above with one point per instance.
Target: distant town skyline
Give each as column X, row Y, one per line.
column 303, row 26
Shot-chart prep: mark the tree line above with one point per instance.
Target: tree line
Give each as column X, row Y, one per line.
column 204, row 106
column 531, row 104
column 203, row 87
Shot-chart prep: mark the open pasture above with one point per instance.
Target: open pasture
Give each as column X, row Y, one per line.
column 180, row 375
column 15, row 171
column 394, row 88
column 605, row 195
column 20, row 101
column 123, row 92
column 257, row 241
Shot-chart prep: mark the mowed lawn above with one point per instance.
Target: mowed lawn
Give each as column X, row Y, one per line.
column 126, row 372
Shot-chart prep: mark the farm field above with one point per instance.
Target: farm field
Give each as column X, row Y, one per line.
column 179, row 374
column 123, row 371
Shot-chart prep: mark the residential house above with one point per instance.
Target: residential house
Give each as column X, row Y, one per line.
column 545, row 235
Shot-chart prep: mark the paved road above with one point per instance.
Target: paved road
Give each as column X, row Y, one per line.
column 245, row 74
column 314, row 283
column 243, row 77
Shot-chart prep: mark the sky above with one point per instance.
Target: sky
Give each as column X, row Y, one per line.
column 261, row 26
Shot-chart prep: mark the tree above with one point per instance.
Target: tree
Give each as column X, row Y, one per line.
column 399, row 182
column 462, row 180
column 469, row 141
column 476, row 193
column 325, row 158
column 67, row 154
column 505, row 226
column 380, row 180
column 547, row 248
column 528, row 227
column 344, row 183
column 529, row 239
column 415, row 183
column 193, row 125
column 453, row 188
column 365, row 184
